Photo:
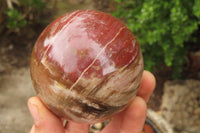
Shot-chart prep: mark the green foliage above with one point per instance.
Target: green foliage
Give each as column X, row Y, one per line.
column 162, row 28
column 196, row 8
column 15, row 18
column 36, row 4
column 17, row 15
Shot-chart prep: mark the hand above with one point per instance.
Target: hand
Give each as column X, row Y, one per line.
column 131, row 120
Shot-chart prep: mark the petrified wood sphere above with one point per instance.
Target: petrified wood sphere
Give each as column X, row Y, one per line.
column 86, row 66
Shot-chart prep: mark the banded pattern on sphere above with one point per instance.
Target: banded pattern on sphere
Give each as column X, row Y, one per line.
column 86, row 66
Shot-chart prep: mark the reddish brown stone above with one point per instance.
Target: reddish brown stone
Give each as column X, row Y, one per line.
column 86, row 64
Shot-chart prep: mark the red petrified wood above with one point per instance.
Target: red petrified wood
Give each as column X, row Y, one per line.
column 86, row 66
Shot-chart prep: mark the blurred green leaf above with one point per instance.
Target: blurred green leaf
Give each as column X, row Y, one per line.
column 18, row 16
column 196, row 8
column 15, row 19
column 37, row 4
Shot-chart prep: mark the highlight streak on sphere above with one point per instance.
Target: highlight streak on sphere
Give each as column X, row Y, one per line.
column 86, row 66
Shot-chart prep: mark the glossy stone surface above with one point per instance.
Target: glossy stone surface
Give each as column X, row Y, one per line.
column 86, row 66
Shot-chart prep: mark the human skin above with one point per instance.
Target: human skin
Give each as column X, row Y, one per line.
column 131, row 120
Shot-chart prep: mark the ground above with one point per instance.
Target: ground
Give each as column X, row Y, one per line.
column 15, row 82
column 15, row 89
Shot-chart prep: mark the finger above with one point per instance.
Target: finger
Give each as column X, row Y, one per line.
column 134, row 117
column 114, row 125
column 32, row 129
column 147, row 85
column 130, row 120
column 73, row 127
column 44, row 120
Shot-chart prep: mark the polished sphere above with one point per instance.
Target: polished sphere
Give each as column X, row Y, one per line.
column 86, row 66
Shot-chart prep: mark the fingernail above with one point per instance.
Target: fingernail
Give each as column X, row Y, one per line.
column 34, row 112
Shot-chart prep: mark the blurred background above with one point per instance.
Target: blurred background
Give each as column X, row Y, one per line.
column 168, row 33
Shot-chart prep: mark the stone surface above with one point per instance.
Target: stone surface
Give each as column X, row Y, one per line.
column 180, row 105
column 86, row 65
column 15, row 89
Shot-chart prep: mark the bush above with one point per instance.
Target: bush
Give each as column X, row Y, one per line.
column 162, row 28
column 15, row 18
column 18, row 13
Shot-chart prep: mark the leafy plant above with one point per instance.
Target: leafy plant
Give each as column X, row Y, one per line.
column 15, row 18
column 162, row 28
column 36, row 4
column 21, row 12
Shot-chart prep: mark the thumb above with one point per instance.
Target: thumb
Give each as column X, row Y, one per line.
column 44, row 120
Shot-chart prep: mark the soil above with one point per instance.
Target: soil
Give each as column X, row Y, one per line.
column 15, row 83
column 15, row 89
